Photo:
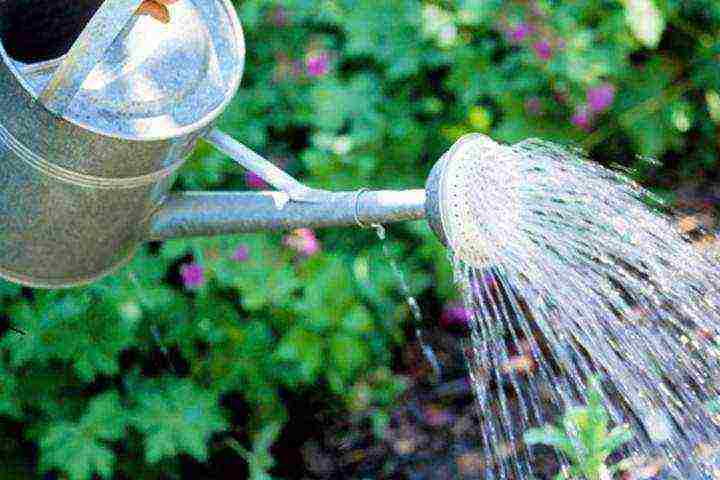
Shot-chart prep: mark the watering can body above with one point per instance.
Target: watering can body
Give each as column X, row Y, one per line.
column 77, row 190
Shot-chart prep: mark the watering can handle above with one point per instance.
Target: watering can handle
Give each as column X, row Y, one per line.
column 112, row 21
column 266, row 170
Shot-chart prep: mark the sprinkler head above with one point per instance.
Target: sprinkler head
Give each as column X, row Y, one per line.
column 451, row 189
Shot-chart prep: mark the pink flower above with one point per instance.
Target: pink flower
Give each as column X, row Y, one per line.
column 519, row 32
column 303, row 241
column 542, row 50
column 454, row 315
column 533, row 106
column 253, row 180
column 318, row 64
column 537, row 9
column 279, row 17
column 193, row 275
column 581, row 118
column 601, row 97
column 242, row 254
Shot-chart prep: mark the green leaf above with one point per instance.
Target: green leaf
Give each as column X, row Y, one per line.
column 9, row 398
column 617, row 437
column 259, row 460
column 551, row 436
column 82, row 329
column 396, row 27
column 267, row 436
column 105, row 418
column 476, row 12
column 176, row 417
column 304, row 349
column 358, row 320
column 72, row 449
column 348, row 354
column 9, row 289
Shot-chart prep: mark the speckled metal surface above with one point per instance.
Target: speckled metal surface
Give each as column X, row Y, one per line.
column 78, row 189
column 204, row 214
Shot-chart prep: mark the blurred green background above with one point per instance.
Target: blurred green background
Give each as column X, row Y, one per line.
column 189, row 353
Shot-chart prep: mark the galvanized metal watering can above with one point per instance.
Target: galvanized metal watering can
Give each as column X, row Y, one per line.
column 91, row 140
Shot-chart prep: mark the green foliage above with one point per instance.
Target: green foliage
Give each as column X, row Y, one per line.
column 583, row 436
column 260, row 460
column 85, row 441
column 401, row 83
column 176, row 417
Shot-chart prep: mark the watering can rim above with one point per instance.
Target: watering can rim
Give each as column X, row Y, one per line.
column 207, row 120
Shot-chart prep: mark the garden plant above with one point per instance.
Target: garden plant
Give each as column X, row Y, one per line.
column 584, row 437
column 193, row 354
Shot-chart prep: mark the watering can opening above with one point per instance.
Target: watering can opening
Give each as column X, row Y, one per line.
column 151, row 82
column 34, row 31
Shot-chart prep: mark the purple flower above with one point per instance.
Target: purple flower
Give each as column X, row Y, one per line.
column 581, row 118
column 533, row 106
column 455, row 314
column 193, row 275
column 601, row 97
column 303, row 241
column 519, row 32
column 318, row 64
column 297, row 68
column 253, row 180
column 542, row 50
column 242, row 254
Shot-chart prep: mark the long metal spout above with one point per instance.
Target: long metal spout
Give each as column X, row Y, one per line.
column 220, row 213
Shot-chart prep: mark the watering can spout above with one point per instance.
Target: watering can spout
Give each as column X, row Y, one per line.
column 197, row 214
column 294, row 205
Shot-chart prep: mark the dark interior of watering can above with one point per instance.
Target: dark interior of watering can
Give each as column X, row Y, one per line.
column 38, row 30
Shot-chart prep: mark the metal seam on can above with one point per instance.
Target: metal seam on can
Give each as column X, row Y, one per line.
column 80, row 281
column 68, row 176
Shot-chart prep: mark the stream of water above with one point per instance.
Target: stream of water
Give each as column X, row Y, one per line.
column 412, row 303
column 580, row 279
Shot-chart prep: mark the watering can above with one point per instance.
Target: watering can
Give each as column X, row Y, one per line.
column 100, row 108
